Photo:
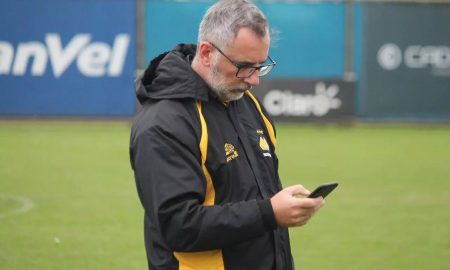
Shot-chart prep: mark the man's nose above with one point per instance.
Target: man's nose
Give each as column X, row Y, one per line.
column 253, row 80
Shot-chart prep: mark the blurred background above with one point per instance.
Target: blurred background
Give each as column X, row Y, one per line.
column 367, row 60
column 360, row 94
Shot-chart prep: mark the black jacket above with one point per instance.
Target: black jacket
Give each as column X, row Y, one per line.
column 204, row 173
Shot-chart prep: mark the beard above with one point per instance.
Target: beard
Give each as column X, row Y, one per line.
column 226, row 92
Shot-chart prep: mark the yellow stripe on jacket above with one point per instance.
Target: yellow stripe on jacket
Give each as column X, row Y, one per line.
column 269, row 126
column 211, row 259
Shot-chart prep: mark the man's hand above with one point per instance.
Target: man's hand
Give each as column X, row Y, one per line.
column 291, row 211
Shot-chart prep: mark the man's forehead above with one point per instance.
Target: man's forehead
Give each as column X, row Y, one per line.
column 247, row 34
column 248, row 43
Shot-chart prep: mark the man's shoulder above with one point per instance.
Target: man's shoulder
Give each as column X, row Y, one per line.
column 169, row 107
column 169, row 115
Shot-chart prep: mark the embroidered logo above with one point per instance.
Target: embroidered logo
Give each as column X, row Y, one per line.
column 230, row 153
column 263, row 144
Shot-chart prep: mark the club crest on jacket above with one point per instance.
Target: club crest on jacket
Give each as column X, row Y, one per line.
column 230, row 153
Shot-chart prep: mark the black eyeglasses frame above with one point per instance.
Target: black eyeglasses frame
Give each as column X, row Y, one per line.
column 270, row 66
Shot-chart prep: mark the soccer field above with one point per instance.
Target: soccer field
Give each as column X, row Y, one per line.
column 68, row 198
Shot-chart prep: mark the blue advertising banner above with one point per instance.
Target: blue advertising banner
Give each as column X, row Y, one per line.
column 67, row 58
column 308, row 40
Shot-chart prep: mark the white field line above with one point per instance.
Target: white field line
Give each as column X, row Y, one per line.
column 25, row 205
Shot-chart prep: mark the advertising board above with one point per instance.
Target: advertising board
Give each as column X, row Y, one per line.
column 304, row 44
column 406, row 61
column 67, row 58
column 297, row 100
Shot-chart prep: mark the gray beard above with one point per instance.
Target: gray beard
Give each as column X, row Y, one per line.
column 223, row 91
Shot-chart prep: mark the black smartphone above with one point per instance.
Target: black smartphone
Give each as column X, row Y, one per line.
column 323, row 190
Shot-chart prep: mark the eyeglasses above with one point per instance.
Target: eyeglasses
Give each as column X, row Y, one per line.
column 245, row 70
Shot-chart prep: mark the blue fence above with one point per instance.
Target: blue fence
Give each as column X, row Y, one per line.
column 309, row 38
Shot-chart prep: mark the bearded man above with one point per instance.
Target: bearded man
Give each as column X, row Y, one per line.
column 203, row 152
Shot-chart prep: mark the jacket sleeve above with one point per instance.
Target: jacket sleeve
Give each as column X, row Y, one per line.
column 167, row 164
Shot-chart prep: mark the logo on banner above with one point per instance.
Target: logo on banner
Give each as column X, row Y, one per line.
column 93, row 59
column 390, row 57
column 285, row 103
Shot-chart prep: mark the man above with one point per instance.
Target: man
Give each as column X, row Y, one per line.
column 203, row 152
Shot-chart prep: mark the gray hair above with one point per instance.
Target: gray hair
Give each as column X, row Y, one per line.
column 223, row 20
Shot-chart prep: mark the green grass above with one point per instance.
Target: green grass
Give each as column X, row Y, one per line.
column 389, row 212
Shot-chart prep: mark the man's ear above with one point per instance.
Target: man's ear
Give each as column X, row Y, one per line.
column 206, row 53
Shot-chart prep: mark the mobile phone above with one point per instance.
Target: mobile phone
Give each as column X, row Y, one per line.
column 323, row 190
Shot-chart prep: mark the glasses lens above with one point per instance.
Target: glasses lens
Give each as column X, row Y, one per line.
column 245, row 72
column 265, row 70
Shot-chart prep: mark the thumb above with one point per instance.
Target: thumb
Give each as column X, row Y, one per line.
column 297, row 190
